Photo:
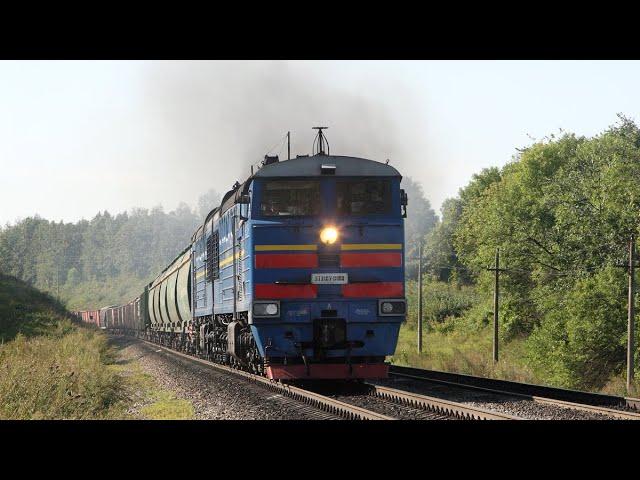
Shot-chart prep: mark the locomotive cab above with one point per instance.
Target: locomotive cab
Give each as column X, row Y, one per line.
column 326, row 235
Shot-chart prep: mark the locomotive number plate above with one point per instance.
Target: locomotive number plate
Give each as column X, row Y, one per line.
column 329, row 278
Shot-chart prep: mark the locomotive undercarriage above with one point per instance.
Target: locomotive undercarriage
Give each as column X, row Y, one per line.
column 222, row 340
column 208, row 338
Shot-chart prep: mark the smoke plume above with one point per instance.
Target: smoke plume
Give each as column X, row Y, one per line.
column 215, row 119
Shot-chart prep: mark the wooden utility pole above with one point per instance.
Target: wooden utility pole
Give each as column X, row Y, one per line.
column 496, row 295
column 631, row 314
column 420, row 297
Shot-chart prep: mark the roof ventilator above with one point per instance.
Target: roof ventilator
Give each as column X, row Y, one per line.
column 327, row 169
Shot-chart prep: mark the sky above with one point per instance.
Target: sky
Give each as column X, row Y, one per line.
column 78, row 137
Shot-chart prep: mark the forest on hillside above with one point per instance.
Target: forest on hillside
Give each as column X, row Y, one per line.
column 103, row 261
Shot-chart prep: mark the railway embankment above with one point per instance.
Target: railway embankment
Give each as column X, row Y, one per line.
column 51, row 367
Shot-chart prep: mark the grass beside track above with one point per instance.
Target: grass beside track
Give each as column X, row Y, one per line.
column 147, row 399
column 63, row 374
column 472, row 353
column 52, row 367
column 167, row 407
column 462, row 352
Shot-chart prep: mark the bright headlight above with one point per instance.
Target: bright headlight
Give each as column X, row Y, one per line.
column 329, row 235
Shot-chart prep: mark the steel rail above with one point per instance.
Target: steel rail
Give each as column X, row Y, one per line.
column 437, row 405
column 326, row 404
column 585, row 400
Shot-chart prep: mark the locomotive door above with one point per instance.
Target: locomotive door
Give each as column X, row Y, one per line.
column 238, row 262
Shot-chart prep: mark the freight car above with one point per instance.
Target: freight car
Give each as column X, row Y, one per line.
column 89, row 316
column 297, row 274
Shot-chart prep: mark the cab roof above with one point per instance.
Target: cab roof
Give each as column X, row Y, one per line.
column 312, row 166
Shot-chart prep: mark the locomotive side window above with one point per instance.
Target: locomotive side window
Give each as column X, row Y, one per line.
column 290, row 198
column 362, row 197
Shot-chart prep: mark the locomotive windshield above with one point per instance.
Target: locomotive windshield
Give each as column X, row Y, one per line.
column 290, row 198
column 362, row 197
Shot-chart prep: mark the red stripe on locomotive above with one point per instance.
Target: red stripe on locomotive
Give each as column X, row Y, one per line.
column 267, row 290
column 371, row 260
column 286, row 260
column 380, row 289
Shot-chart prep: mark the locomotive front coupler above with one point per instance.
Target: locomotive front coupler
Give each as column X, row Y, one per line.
column 306, row 364
column 301, row 346
column 268, row 347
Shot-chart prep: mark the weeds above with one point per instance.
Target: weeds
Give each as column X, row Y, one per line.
column 61, row 375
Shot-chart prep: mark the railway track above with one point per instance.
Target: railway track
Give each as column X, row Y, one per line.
column 435, row 406
column 404, row 405
column 623, row 408
column 372, row 403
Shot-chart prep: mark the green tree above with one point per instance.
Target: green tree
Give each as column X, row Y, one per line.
column 421, row 219
column 561, row 214
column 581, row 341
column 441, row 256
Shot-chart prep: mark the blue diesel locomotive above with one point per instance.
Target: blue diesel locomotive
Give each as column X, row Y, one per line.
column 298, row 274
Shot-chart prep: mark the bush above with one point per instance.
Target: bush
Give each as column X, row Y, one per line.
column 443, row 303
column 582, row 341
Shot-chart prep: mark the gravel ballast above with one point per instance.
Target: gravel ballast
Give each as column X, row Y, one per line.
column 391, row 409
column 215, row 395
column 512, row 405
